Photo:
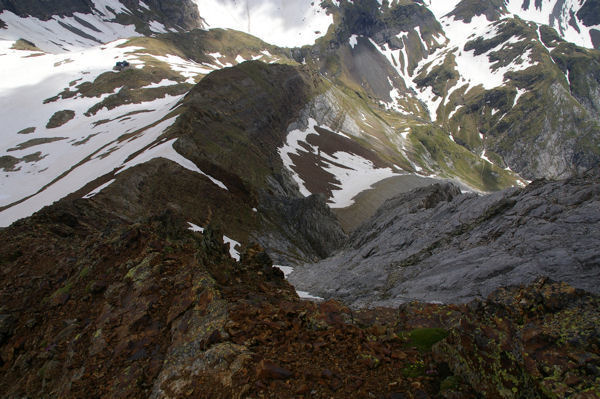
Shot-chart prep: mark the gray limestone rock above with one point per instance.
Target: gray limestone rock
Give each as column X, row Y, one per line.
column 436, row 244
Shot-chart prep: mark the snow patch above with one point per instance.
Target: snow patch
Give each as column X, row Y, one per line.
column 520, row 92
column 292, row 146
column 439, row 8
column 306, row 295
column 186, row 68
column 157, row 27
column 195, row 228
column 162, row 83
column 484, row 157
column 232, row 244
column 356, row 175
column 287, row 270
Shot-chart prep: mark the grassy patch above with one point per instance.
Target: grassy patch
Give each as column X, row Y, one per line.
column 8, row 163
column 60, row 118
column 27, row 130
column 451, row 383
column 34, row 142
column 63, row 290
column 25, row 45
column 425, row 338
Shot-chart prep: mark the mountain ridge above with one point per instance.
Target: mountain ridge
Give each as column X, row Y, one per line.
column 159, row 193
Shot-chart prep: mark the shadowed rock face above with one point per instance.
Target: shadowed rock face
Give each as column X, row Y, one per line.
column 45, row 9
column 435, row 244
column 589, row 13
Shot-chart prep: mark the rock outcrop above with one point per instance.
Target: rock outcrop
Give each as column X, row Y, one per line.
column 436, row 244
column 536, row 341
column 95, row 305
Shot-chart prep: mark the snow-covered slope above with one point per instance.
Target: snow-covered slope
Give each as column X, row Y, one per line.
column 71, row 25
column 565, row 16
column 289, row 23
column 69, row 118
column 577, row 21
column 350, row 173
column 66, row 33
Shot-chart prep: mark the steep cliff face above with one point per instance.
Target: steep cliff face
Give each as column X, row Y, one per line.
column 536, row 107
column 525, row 101
column 435, row 244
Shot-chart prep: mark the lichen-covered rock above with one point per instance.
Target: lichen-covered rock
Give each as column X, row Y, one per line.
column 96, row 305
column 528, row 342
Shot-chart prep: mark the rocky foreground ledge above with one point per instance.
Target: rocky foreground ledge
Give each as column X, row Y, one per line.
column 95, row 306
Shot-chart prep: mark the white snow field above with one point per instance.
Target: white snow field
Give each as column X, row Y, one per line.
column 564, row 19
column 54, row 162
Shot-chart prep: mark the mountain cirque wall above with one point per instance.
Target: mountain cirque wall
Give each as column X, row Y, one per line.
column 436, row 244
column 94, row 305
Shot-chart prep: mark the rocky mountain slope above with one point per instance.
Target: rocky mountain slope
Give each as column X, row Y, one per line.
column 499, row 85
column 97, row 305
column 152, row 173
column 436, row 244
column 392, row 84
